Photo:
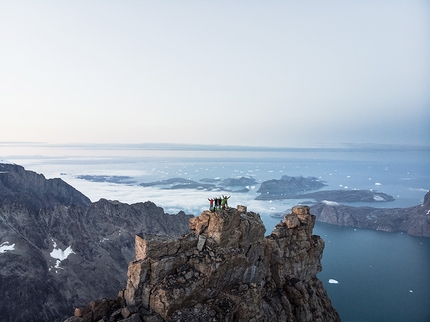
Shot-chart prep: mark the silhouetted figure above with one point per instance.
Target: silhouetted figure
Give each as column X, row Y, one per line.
column 217, row 203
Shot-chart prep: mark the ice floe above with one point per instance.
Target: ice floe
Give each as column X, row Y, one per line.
column 333, row 281
column 378, row 184
column 4, row 247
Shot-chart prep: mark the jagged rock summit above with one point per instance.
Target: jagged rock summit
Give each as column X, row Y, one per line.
column 224, row 270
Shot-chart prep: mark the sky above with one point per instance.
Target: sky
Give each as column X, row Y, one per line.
column 256, row 73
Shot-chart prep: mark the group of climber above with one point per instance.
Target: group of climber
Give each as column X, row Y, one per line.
column 219, row 203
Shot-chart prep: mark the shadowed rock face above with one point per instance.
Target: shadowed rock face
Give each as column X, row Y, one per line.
column 226, row 270
column 34, row 191
column 413, row 220
column 58, row 250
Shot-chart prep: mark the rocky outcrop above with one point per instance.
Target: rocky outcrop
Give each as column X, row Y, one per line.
column 58, row 250
column 225, row 270
column 413, row 220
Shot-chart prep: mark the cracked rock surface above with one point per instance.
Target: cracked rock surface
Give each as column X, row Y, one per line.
column 225, row 269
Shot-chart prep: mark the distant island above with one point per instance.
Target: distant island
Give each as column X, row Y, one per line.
column 348, row 196
column 275, row 189
column 287, row 187
column 230, row 184
column 294, row 187
column 104, row 178
column 413, row 220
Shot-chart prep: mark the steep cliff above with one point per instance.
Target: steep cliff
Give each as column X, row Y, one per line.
column 413, row 220
column 58, row 250
column 224, row 270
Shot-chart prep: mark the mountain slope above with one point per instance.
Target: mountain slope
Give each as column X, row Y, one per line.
column 58, row 250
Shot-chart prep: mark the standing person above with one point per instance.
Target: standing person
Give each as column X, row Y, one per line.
column 224, row 201
column 217, row 203
column 211, row 204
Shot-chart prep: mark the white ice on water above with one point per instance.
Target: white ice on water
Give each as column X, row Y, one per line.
column 333, row 281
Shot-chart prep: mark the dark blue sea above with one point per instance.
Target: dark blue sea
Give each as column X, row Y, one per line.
column 379, row 276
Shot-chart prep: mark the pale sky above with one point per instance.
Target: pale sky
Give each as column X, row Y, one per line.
column 259, row 73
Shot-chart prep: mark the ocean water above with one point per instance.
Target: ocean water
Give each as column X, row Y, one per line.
column 380, row 276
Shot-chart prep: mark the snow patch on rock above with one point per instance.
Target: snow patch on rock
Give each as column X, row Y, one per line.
column 4, row 247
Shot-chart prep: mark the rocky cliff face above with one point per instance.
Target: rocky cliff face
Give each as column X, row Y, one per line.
column 58, row 250
column 34, row 191
column 224, row 270
column 414, row 220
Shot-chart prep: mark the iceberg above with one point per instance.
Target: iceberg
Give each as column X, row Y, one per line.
column 332, row 281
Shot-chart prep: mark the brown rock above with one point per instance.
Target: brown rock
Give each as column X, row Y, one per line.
column 100, row 309
column 82, row 310
column 227, row 270
column 128, row 310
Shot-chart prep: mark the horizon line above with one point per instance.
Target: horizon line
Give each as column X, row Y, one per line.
column 218, row 147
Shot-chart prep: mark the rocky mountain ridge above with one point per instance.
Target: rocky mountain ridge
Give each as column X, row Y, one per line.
column 34, row 190
column 413, row 220
column 59, row 250
column 224, row 270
